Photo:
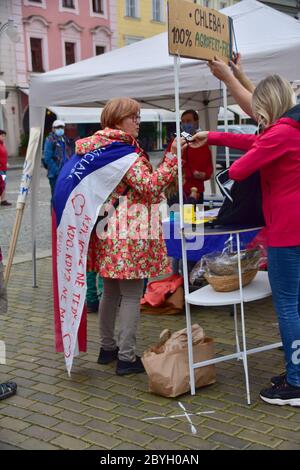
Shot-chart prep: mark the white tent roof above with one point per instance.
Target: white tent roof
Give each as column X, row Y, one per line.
column 92, row 115
column 89, row 115
column 269, row 41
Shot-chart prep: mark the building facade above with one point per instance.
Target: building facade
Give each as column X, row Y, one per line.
column 52, row 34
column 290, row 7
column 140, row 19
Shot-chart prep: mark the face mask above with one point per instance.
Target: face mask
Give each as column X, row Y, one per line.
column 59, row 132
column 189, row 128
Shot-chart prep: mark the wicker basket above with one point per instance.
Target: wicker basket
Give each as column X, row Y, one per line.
column 229, row 266
column 230, row 283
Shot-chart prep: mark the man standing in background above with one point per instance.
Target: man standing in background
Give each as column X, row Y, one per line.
column 57, row 151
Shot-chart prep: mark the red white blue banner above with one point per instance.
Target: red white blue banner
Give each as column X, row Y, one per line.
column 83, row 186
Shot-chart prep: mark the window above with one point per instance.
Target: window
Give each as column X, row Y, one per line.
column 100, row 50
column 70, row 52
column 98, row 6
column 131, row 8
column 68, row 4
column 35, row 3
column 36, row 55
column 157, row 9
column 223, row 5
column 207, row 3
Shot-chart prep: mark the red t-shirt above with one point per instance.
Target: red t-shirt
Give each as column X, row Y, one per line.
column 3, row 157
column 196, row 160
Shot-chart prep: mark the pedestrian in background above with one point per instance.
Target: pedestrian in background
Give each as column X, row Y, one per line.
column 57, row 151
column 3, row 166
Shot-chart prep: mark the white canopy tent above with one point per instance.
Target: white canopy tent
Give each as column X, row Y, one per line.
column 268, row 40
column 93, row 115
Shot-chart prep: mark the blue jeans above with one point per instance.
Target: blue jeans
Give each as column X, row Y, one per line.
column 284, row 275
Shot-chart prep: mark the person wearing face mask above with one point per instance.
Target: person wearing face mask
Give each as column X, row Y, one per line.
column 198, row 162
column 57, row 151
column 274, row 152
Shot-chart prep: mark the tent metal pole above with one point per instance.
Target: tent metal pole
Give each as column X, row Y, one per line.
column 225, row 104
column 183, row 244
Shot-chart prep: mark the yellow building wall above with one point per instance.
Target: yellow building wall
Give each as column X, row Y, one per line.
column 142, row 27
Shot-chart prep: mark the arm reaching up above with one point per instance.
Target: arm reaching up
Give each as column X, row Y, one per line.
column 241, row 95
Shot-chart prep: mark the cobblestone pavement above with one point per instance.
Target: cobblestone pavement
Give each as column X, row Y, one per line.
column 96, row 409
column 7, row 218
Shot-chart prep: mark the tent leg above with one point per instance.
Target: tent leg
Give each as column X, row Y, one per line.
column 225, row 104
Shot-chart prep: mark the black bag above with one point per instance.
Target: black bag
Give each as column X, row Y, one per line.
column 242, row 205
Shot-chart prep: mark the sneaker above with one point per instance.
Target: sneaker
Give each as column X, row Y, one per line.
column 6, row 203
column 278, row 379
column 106, row 357
column 93, row 308
column 127, row 367
column 283, row 394
column 7, row 389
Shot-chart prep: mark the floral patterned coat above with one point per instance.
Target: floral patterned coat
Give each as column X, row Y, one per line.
column 133, row 247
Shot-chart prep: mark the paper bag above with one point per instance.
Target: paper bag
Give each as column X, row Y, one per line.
column 167, row 365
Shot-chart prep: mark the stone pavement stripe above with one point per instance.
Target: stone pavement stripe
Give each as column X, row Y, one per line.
column 13, row 424
column 101, row 426
column 40, row 433
column 73, row 430
column 131, row 423
column 293, row 436
column 286, row 445
column 36, row 444
column 42, row 420
column 231, row 441
column 69, row 443
column 134, row 437
column 159, row 431
column 70, row 416
column 11, row 437
column 45, row 409
column 251, row 424
column 46, row 398
column 106, row 416
column 107, row 442
column 14, row 411
column 72, row 405
column 4, row 446
column 98, row 403
column 264, row 439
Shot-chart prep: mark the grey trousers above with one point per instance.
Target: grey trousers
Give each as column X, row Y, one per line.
column 123, row 295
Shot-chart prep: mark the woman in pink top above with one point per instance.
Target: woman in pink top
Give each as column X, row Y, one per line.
column 276, row 153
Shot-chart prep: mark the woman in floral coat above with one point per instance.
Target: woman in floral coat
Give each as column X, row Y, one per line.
column 132, row 247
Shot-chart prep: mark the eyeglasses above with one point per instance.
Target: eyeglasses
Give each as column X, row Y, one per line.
column 135, row 117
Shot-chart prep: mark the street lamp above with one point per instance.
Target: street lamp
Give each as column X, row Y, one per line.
column 11, row 30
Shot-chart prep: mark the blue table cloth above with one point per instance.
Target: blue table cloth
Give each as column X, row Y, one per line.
column 200, row 246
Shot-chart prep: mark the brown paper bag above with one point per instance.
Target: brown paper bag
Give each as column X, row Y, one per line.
column 167, row 365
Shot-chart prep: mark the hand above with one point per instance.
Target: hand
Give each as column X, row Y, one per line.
column 183, row 144
column 199, row 175
column 220, row 69
column 236, row 65
column 199, row 140
column 238, row 72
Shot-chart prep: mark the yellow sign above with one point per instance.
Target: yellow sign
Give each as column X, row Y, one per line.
column 198, row 32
